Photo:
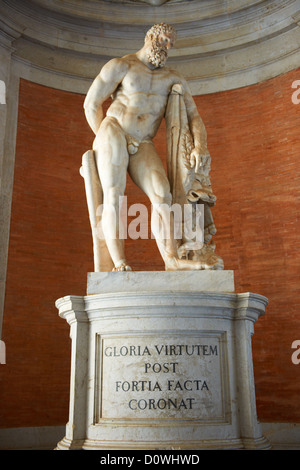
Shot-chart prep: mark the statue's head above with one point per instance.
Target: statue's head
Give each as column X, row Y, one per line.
column 160, row 38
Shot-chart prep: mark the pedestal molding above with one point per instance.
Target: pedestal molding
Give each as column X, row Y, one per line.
column 162, row 370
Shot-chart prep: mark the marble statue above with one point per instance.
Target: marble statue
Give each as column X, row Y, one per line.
column 143, row 92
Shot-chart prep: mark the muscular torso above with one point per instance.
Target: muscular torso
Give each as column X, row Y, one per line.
column 140, row 100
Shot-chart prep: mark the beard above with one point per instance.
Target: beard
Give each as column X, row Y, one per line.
column 157, row 55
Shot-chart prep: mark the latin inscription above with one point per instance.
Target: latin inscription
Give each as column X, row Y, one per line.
column 148, row 378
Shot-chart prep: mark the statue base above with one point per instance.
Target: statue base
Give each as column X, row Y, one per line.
column 162, row 360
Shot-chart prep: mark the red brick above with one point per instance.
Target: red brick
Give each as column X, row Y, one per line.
column 253, row 137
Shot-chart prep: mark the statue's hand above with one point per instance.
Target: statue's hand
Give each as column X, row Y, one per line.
column 199, row 158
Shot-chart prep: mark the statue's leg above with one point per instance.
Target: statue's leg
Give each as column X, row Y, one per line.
column 111, row 153
column 147, row 171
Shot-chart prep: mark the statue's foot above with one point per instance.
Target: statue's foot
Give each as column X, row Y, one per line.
column 175, row 264
column 122, row 267
column 208, row 256
column 218, row 264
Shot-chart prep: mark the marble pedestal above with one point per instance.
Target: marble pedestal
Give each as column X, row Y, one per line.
column 162, row 360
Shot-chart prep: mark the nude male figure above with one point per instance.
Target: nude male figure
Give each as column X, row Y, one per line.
column 139, row 84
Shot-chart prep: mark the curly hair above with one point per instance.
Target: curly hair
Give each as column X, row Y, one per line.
column 158, row 29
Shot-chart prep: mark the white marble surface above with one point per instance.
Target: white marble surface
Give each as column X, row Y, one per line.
column 282, row 436
column 124, row 144
column 162, row 369
column 160, row 281
column 169, row 376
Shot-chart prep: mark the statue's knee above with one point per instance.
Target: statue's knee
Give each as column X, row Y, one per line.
column 168, row 198
column 162, row 200
column 161, row 187
column 113, row 196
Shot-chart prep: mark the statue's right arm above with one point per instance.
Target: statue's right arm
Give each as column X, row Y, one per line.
column 102, row 87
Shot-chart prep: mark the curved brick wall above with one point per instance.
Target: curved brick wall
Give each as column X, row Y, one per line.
column 253, row 137
column 254, row 141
